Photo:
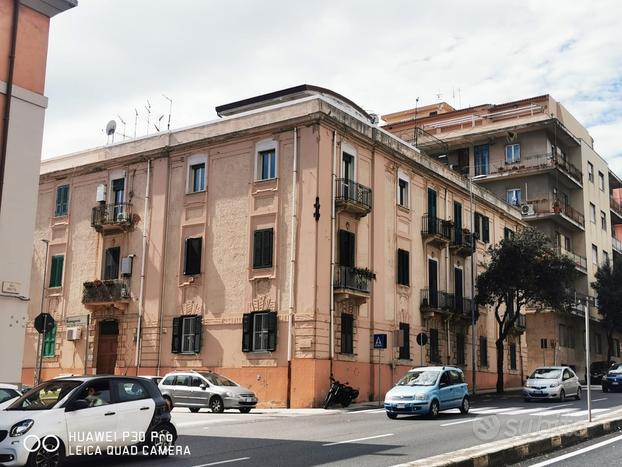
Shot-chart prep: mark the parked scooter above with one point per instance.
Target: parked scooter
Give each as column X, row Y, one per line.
column 340, row 394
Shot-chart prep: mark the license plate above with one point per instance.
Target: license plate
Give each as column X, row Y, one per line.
column 537, row 393
column 401, row 406
column 614, row 383
column 248, row 399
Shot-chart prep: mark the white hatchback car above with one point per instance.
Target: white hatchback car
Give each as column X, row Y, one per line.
column 552, row 382
column 8, row 394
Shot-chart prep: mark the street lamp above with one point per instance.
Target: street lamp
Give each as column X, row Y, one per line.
column 42, row 335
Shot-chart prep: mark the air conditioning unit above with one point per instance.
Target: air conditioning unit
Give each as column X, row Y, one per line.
column 100, row 195
column 126, row 265
column 527, row 210
column 74, row 333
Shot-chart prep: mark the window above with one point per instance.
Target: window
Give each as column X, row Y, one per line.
column 508, row 234
column 347, row 242
column 183, row 380
column 347, row 165
column 483, row 351
column 513, row 197
column 56, row 271
column 97, row 393
column 571, row 339
column 603, row 220
column 266, row 164
column 197, row 177
column 129, row 390
column 259, row 331
column 460, row 349
column 482, row 227
column 402, row 192
column 404, row 346
column 481, row 159
column 62, row 200
column 111, row 263
column 512, row 356
column 49, row 343
column 563, row 336
column 192, row 256
column 601, row 181
column 187, row 334
column 347, row 333
column 512, row 153
column 605, row 257
column 590, row 172
column 403, row 267
column 595, row 255
column 544, row 344
column 435, row 355
column 169, row 380
column 262, row 248
column 592, row 213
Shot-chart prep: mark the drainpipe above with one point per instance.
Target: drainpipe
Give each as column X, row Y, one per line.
column 447, row 273
column 9, row 97
column 292, row 270
column 332, row 254
column 141, row 297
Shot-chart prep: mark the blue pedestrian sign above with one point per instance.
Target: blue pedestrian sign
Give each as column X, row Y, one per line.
column 380, row 341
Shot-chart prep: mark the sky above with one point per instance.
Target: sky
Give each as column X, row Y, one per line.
column 108, row 58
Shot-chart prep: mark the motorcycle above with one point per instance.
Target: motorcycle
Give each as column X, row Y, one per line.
column 340, row 394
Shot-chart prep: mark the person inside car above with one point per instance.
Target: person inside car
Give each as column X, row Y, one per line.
column 93, row 399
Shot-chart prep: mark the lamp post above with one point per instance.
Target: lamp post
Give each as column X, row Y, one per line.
column 42, row 335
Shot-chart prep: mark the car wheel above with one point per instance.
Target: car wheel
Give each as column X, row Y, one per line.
column 434, row 409
column 169, row 403
column 562, row 395
column 51, row 453
column 160, row 441
column 526, row 399
column 465, row 406
column 194, row 409
column 245, row 409
column 578, row 396
column 216, row 405
column 391, row 415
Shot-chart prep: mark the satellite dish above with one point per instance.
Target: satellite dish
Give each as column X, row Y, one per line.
column 111, row 127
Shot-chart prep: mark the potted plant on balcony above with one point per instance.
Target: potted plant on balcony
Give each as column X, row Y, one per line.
column 557, row 207
column 364, row 273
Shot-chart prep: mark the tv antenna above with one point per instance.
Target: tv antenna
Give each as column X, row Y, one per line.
column 148, row 107
column 122, row 123
column 135, row 121
column 111, row 127
column 157, row 127
column 170, row 110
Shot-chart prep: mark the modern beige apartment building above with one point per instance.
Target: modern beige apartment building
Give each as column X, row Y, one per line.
column 270, row 246
column 24, row 29
column 535, row 155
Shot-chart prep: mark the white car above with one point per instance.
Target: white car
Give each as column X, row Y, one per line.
column 8, row 394
column 552, row 382
column 86, row 415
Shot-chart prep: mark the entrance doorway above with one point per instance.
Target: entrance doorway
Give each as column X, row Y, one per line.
column 107, row 347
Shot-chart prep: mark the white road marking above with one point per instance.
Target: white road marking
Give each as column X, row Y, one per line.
column 598, row 400
column 223, row 462
column 358, row 439
column 460, row 422
column 523, row 411
column 577, row 452
column 368, row 411
column 581, row 413
column 544, row 413
column 494, row 411
column 479, row 409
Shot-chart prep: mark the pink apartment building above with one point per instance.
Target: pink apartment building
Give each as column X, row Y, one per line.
column 270, row 246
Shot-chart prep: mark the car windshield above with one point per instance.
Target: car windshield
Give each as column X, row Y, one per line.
column 616, row 368
column 6, row 394
column 217, row 380
column 419, row 378
column 546, row 373
column 45, row 396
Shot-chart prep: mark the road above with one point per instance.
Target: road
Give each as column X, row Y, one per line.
column 307, row 437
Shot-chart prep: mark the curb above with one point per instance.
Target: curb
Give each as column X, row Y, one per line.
column 519, row 448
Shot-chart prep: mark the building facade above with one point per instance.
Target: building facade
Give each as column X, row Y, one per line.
column 535, row 155
column 270, row 246
column 24, row 28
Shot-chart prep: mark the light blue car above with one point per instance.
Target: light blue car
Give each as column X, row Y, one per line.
column 427, row 391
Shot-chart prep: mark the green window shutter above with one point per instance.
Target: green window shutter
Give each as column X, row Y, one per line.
column 49, row 343
column 62, row 200
column 247, row 332
column 485, row 229
column 176, row 335
column 272, row 331
column 198, row 328
column 56, row 272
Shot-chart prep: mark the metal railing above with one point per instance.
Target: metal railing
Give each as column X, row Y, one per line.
column 579, row 261
column 424, row 141
column 431, row 225
column 111, row 214
column 554, row 206
column 615, row 205
column 350, row 191
column 537, row 161
column 436, row 299
column 462, row 305
column 461, row 238
column 115, row 290
column 617, row 244
column 351, row 278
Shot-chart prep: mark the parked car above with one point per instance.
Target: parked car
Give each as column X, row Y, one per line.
column 552, row 382
column 156, row 379
column 613, row 380
column 8, row 393
column 598, row 370
column 198, row 389
column 84, row 415
column 427, row 391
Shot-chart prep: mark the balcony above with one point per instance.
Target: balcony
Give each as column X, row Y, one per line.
column 579, row 261
column 114, row 293
column 436, row 231
column 352, row 284
column 112, row 218
column 352, row 197
column 436, row 302
column 536, row 163
column 520, row 325
column 617, row 245
column 616, row 210
column 554, row 209
column 461, row 242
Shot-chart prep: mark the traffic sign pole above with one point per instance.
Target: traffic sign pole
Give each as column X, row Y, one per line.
column 40, row 341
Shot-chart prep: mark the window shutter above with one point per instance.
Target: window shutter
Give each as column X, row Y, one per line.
column 257, row 248
column 346, row 248
column 198, row 331
column 247, row 332
column 485, row 229
column 56, row 273
column 403, row 273
column 192, row 263
column 272, row 331
column 268, row 247
column 176, row 338
column 62, row 200
column 478, row 223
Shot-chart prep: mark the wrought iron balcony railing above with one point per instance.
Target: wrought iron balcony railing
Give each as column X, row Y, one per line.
column 352, row 279
column 353, row 196
column 461, row 241
column 433, row 226
column 117, row 215
column 107, row 291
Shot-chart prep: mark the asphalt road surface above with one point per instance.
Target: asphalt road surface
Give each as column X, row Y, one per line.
column 365, row 437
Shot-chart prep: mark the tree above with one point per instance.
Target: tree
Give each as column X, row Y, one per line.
column 608, row 287
column 524, row 271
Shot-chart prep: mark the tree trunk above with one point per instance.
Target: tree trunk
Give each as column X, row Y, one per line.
column 609, row 344
column 499, row 345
